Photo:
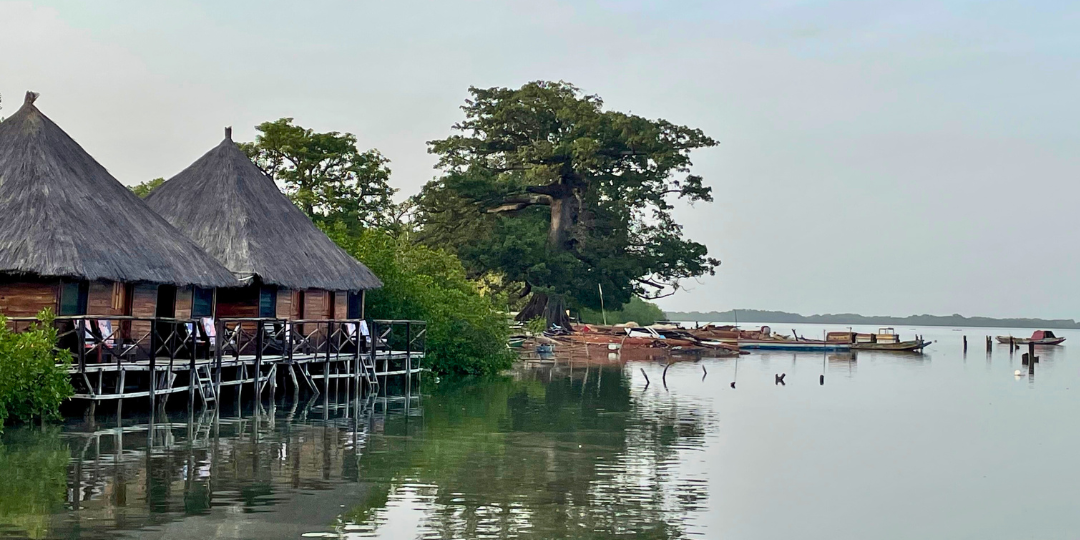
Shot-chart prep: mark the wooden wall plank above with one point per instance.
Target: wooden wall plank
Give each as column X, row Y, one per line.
column 238, row 302
column 183, row 302
column 27, row 298
column 316, row 304
column 341, row 305
column 285, row 303
column 100, row 301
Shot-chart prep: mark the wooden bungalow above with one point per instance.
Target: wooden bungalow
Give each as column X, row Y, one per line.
column 77, row 241
column 289, row 268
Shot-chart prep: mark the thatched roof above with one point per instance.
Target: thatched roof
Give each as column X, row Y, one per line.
column 237, row 214
column 62, row 214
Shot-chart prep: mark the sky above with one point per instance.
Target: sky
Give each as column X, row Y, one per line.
column 886, row 157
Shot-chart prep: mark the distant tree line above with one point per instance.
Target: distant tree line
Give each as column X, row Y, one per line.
column 761, row 316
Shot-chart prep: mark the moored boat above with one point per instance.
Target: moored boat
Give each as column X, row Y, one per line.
column 913, row 345
column 1039, row 337
column 887, row 339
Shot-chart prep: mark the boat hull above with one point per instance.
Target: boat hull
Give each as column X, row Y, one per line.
column 1025, row 341
column 791, row 345
column 903, row 346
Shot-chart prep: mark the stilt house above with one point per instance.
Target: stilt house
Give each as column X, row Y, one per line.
column 77, row 241
column 289, row 268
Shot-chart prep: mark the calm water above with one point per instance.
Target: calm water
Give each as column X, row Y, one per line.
column 941, row 445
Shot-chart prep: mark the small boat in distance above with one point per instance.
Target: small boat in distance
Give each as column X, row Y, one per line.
column 1039, row 337
column 887, row 339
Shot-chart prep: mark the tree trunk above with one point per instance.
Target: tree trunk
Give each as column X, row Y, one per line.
column 551, row 307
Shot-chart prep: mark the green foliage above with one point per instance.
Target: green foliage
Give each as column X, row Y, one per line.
column 466, row 331
column 545, row 187
column 33, row 466
column 33, row 374
column 536, row 325
column 325, row 174
column 144, row 189
column 636, row 310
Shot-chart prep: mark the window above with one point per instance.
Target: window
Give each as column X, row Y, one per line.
column 356, row 305
column 202, row 302
column 73, row 297
column 268, row 302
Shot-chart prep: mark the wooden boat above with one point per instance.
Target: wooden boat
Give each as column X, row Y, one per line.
column 886, row 339
column 1039, row 337
column 907, row 346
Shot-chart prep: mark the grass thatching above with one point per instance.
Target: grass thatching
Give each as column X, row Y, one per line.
column 237, row 214
column 62, row 214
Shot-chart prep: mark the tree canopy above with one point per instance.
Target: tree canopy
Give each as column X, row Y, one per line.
column 143, row 189
column 544, row 187
column 325, row 174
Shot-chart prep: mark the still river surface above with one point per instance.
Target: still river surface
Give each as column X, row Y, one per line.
column 942, row 445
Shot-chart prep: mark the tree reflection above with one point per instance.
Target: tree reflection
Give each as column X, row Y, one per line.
column 576, row 457
column 544, row 454
column 33, row 480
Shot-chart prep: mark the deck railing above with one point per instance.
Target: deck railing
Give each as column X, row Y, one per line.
column 121, row 339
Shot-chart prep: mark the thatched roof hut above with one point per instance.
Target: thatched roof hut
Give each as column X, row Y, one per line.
column 235, row 212
column 62, row 214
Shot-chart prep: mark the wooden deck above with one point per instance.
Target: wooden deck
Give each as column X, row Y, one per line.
column 118, row 358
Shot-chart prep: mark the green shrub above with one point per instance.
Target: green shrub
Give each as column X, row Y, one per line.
column 34, row 377
column 466, row 332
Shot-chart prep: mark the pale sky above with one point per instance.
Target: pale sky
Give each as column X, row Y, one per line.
column 875, row 157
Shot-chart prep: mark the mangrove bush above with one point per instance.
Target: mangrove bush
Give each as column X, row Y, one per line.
column 33, row 374
column 466, row 332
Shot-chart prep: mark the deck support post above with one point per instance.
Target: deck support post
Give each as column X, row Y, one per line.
column 153, row 360
column 191, row 372
column 219, row 334
column 80, row 334
column 260, row 328
column 408, row 355
column 356, row 357
column 326, row 359
column 289, row 355
column 374, row 331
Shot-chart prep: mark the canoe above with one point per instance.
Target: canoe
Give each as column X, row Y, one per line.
column 908, row 346
column 793, row 345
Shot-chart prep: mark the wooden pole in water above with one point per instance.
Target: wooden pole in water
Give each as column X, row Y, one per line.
column 1031, row 358
column 965, row 344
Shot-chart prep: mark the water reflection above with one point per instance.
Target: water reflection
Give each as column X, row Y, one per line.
column 549, row 452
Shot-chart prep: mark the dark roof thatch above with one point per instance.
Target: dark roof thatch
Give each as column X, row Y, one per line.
column 237, row 214
column 62, row 214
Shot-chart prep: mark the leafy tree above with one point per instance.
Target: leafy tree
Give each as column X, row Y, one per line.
column 636, row 310
column 325, row 174
column 544, row 186
column 143, row 189
column 466, row 333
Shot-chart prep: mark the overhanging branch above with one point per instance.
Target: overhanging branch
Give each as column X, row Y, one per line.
column 520, row 202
